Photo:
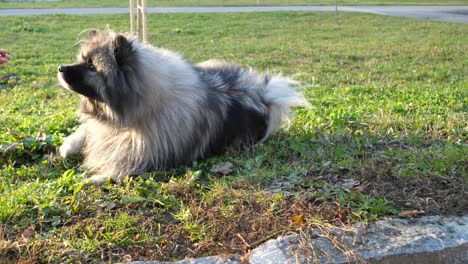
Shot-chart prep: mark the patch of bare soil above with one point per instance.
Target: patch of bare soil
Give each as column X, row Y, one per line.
column 431, row 195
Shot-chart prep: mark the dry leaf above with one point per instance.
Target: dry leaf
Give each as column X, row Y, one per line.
column 298, row 220
column 127, row 258
column 31, row 260
column 16, row 134
column 350, row 183
column 41, row 136
column 10, row 148
column 343, row 215
column 28, row 232
column 411, row 213
column 222, row 168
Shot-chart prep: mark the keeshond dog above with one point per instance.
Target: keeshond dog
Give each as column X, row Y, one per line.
column 146, row 108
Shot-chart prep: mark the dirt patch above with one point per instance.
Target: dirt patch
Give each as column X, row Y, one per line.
column 240, row 227
column 432, row 195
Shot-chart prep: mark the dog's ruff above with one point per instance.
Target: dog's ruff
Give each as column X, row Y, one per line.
column 145, row 108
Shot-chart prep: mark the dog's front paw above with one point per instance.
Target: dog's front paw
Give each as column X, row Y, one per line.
column 70, row 146
column 66, row 150
column 97, row 179
column 105, row 177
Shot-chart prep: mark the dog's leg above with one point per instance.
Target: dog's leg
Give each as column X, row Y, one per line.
column 73, row 143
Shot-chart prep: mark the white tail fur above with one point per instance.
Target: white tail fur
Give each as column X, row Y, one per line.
column 281, row 94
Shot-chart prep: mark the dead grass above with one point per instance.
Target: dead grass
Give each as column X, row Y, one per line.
column 431, row 195
column 228, row 226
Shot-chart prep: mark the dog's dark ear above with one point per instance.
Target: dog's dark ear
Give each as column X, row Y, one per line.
column 121, row 48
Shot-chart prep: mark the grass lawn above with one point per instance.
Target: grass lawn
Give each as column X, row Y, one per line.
column 387, row 134
column 125, row 3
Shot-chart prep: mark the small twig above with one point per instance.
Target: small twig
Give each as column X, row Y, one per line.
column 243, row 241
column 258, row 242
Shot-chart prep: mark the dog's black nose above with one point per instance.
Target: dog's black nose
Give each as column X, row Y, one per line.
column 61, row 68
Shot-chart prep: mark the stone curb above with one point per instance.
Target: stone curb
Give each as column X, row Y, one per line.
column 429, row 239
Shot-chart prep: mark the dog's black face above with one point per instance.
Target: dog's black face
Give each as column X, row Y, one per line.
column 81, row 78
column 99, row 73
column 98, row 66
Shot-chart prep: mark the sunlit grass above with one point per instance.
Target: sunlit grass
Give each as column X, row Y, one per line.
column 387, row 131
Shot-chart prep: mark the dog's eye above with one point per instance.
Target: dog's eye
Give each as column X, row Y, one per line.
column 90, row 65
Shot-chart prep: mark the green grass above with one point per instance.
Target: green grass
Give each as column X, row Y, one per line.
column 152, row 3
column 387, row 132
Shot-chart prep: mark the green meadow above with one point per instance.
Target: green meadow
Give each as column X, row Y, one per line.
column 386, row 135
column 155, row 3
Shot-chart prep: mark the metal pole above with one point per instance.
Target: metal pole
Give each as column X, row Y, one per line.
column 144, row 21
column 138, row 33
column 141, row 31
column 132, row 17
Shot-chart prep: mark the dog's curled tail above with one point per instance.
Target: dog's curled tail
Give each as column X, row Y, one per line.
column 280, row 95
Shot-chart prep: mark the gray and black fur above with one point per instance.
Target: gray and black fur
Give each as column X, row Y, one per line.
column 146, row 108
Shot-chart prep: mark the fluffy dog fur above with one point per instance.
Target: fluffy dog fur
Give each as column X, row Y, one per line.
column 145, row 108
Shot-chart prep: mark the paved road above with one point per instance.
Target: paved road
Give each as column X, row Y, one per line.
column 442, row 13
